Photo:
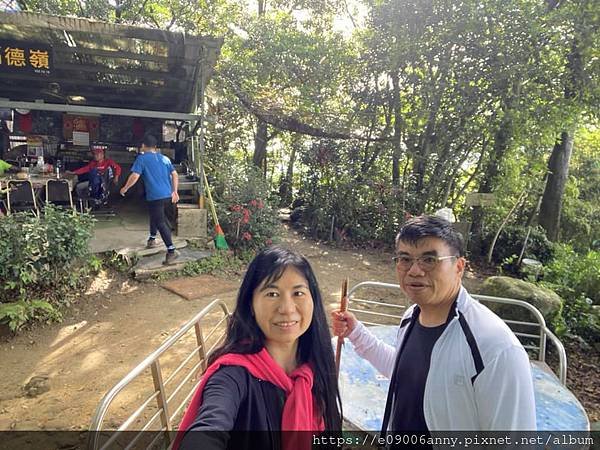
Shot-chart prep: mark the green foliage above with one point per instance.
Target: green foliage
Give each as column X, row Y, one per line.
column 362, row 209
column 220, row 263
column 118, row 262
column 16, row 314
column 575, row 273
column 43, row 262
column 580, row 220
column 510, row 242
column 576, row 279
column 247, row 211
column 195, row 16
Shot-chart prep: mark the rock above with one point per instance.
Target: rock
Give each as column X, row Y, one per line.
column 545, row 300
column 580, row 342
column 37, row 385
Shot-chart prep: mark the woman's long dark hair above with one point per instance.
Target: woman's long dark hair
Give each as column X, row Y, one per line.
column 314, row 346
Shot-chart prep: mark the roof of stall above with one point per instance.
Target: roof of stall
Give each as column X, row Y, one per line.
column 104, row 65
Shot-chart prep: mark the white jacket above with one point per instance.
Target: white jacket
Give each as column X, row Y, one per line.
column 479, row 377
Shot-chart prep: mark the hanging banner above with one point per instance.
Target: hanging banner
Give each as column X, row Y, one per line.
column 25, row 57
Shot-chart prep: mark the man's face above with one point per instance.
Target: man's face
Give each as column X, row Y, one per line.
column 438, row 286
column 98, row 156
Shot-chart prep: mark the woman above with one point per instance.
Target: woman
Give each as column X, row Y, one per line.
column 275, row 372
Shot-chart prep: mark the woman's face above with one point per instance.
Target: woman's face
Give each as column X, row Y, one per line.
column 283, row 308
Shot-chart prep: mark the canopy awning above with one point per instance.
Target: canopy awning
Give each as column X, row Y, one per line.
column 100, row 67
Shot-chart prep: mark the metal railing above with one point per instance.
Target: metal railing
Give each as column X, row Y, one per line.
column 539, row 331
column 167, row 411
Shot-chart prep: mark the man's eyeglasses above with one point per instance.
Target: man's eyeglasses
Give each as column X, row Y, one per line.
column 426, row 262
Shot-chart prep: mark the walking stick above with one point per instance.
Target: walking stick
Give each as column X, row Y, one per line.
column 340, row 341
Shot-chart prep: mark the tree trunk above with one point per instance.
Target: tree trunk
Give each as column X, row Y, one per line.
column 118, row 11
column 558, row 164
column 285, row 188
column 397, row 139
column 558, row 168
column 501, row 142
column 260, row 145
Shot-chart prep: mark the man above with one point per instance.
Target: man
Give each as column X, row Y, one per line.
column 91, row 174
column 160, row 181
column 456, row 365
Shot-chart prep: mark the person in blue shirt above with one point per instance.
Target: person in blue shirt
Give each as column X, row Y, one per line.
column 160, row 181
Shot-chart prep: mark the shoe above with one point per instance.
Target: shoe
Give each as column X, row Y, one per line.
column 151, row 243
column 171, row 257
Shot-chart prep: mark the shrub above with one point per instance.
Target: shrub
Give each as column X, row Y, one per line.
column 43, row 261
column 247, row 212
column 575, row 273
column 367, row 214
column 219, row 263
column 576, row 279
column 510, row 242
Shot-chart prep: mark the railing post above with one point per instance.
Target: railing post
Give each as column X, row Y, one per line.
column 542, row 355
column 165, row 418
column 201, row 345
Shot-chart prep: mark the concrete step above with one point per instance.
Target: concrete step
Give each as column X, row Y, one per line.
column 142, row 251
column 151, row 265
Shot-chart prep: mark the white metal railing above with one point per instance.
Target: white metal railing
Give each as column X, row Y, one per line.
column 166, row 412
column 539, row 331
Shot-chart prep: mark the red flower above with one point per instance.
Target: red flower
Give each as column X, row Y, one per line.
column 253, row 203
column 261, row 205
column 236, row 208
column 269, row 242
column 246, row 236
column 246, row 216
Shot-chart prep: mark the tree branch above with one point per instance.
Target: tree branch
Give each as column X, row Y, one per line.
column 173, row 19
column 289, row 123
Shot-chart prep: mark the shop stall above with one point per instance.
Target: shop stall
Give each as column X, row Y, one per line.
column 69, row 85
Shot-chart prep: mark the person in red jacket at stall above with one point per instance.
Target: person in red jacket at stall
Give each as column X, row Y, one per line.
column 90, row 175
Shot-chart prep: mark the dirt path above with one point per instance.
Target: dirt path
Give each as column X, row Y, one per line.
column 119, row 322
column 114, row 326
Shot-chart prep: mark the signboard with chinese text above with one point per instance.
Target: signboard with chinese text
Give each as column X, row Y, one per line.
column 25, row 57
column 480, row 199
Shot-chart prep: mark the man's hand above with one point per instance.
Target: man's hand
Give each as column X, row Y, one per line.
column 123, row 191
column 342, row 323
column 174, row 197
column 116, row 180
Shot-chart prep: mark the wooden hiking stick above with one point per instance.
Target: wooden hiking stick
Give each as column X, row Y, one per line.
column 340, row 341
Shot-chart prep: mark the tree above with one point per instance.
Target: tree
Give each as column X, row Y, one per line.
column 582, row 19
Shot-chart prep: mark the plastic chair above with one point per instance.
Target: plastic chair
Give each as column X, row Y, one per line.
column 58, row 192
column 20, row 196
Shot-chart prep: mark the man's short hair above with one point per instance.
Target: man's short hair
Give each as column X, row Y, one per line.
column 422, row 227
column 149, row 141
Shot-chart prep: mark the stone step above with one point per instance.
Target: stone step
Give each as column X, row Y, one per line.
column 141, row 250
column 150, row 265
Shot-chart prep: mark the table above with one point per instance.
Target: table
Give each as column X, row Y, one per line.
column 38, row 181
column 364, row 392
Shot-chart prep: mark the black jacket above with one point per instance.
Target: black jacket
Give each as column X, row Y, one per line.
column 233, row 403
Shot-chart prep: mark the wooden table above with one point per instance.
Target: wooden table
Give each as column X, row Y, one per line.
column 38, row 181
